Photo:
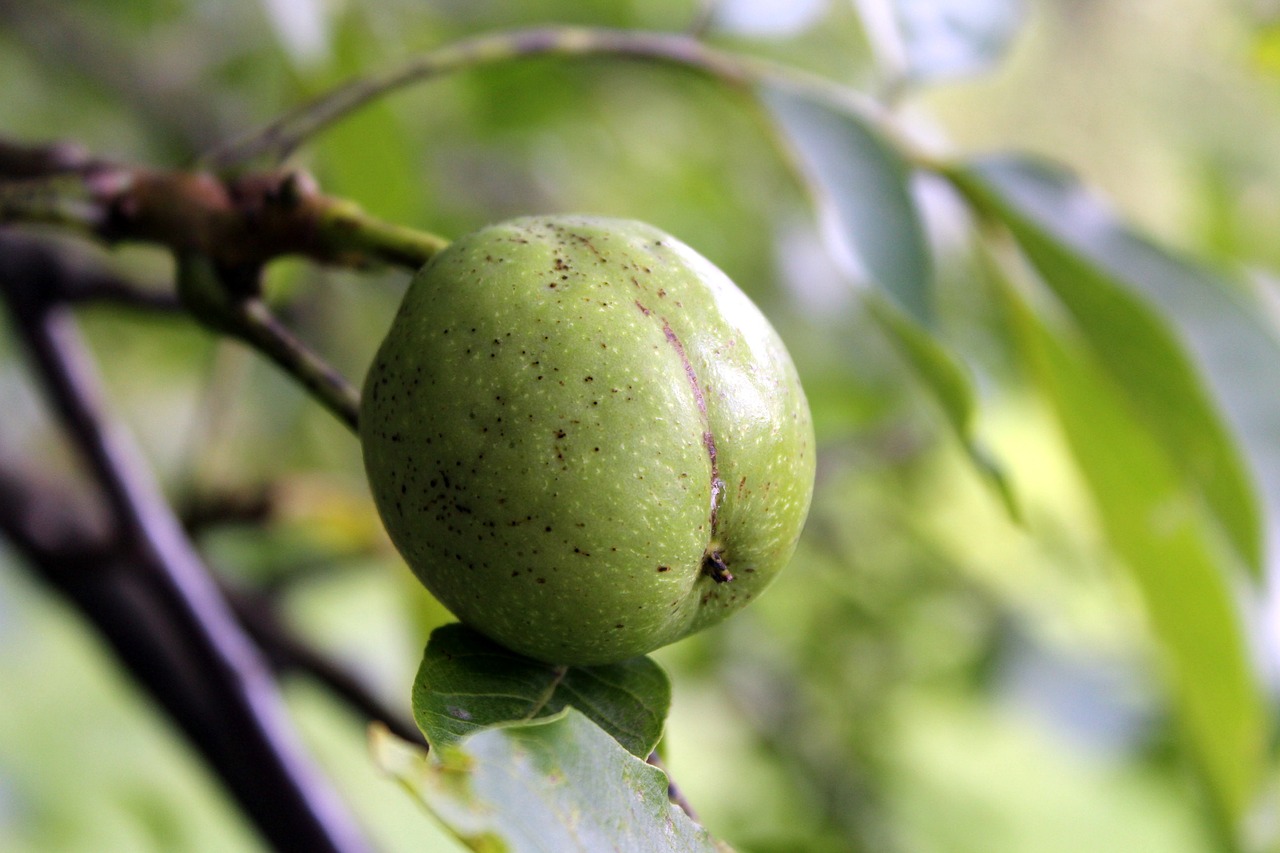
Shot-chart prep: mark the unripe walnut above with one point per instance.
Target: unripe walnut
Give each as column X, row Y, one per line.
column 584, row 439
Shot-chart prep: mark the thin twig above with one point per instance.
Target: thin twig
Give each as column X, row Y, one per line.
column 266, row 334
column 90, row 280
column 227, row 303
column 18, row 162
column 110, row 290
column 201, row 512
column 283, row 136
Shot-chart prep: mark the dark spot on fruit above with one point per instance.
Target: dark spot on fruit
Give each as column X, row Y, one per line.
column 715, row 567
column 664, row 568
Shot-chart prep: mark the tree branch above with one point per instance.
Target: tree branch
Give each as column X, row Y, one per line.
column 282, row 137
column 156, row 603
column 270, row 337
column 228, row 303
column 241, row 222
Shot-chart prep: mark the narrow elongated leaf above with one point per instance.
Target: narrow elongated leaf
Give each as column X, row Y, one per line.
column 951, row 387
column 467, row 682
column 1158, row 526
column 862, row 184
column 1120, row 289
column 557, row 785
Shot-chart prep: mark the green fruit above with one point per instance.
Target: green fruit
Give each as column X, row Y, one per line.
column 584, row 439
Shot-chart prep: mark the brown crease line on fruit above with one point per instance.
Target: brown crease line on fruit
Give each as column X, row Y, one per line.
column 713, row 562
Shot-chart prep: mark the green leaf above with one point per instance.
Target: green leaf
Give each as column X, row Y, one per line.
column 467, row 682
column 1117, row 287
column 924, row 40
column 557, row 785
column 951, row 387
column 1158, row 526
column 862, row 183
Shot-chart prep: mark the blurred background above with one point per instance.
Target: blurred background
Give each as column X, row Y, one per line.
column 927, row 675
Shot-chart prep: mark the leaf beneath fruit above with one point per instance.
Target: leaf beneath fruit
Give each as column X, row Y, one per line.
column 556, row 784
column 467, row 682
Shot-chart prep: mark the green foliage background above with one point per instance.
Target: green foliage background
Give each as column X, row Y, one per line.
column 928, row 675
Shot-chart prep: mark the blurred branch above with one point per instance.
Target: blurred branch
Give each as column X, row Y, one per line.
column 90, row 280
column 203, row 512
column 110, row 290
column 23, row 161
column 150, row 594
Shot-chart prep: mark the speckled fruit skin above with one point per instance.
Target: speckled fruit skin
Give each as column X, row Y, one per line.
column 577, row 430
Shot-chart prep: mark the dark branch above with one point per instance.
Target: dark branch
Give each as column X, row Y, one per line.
column 202, row 512
column 19, row 162
column 155, row 602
